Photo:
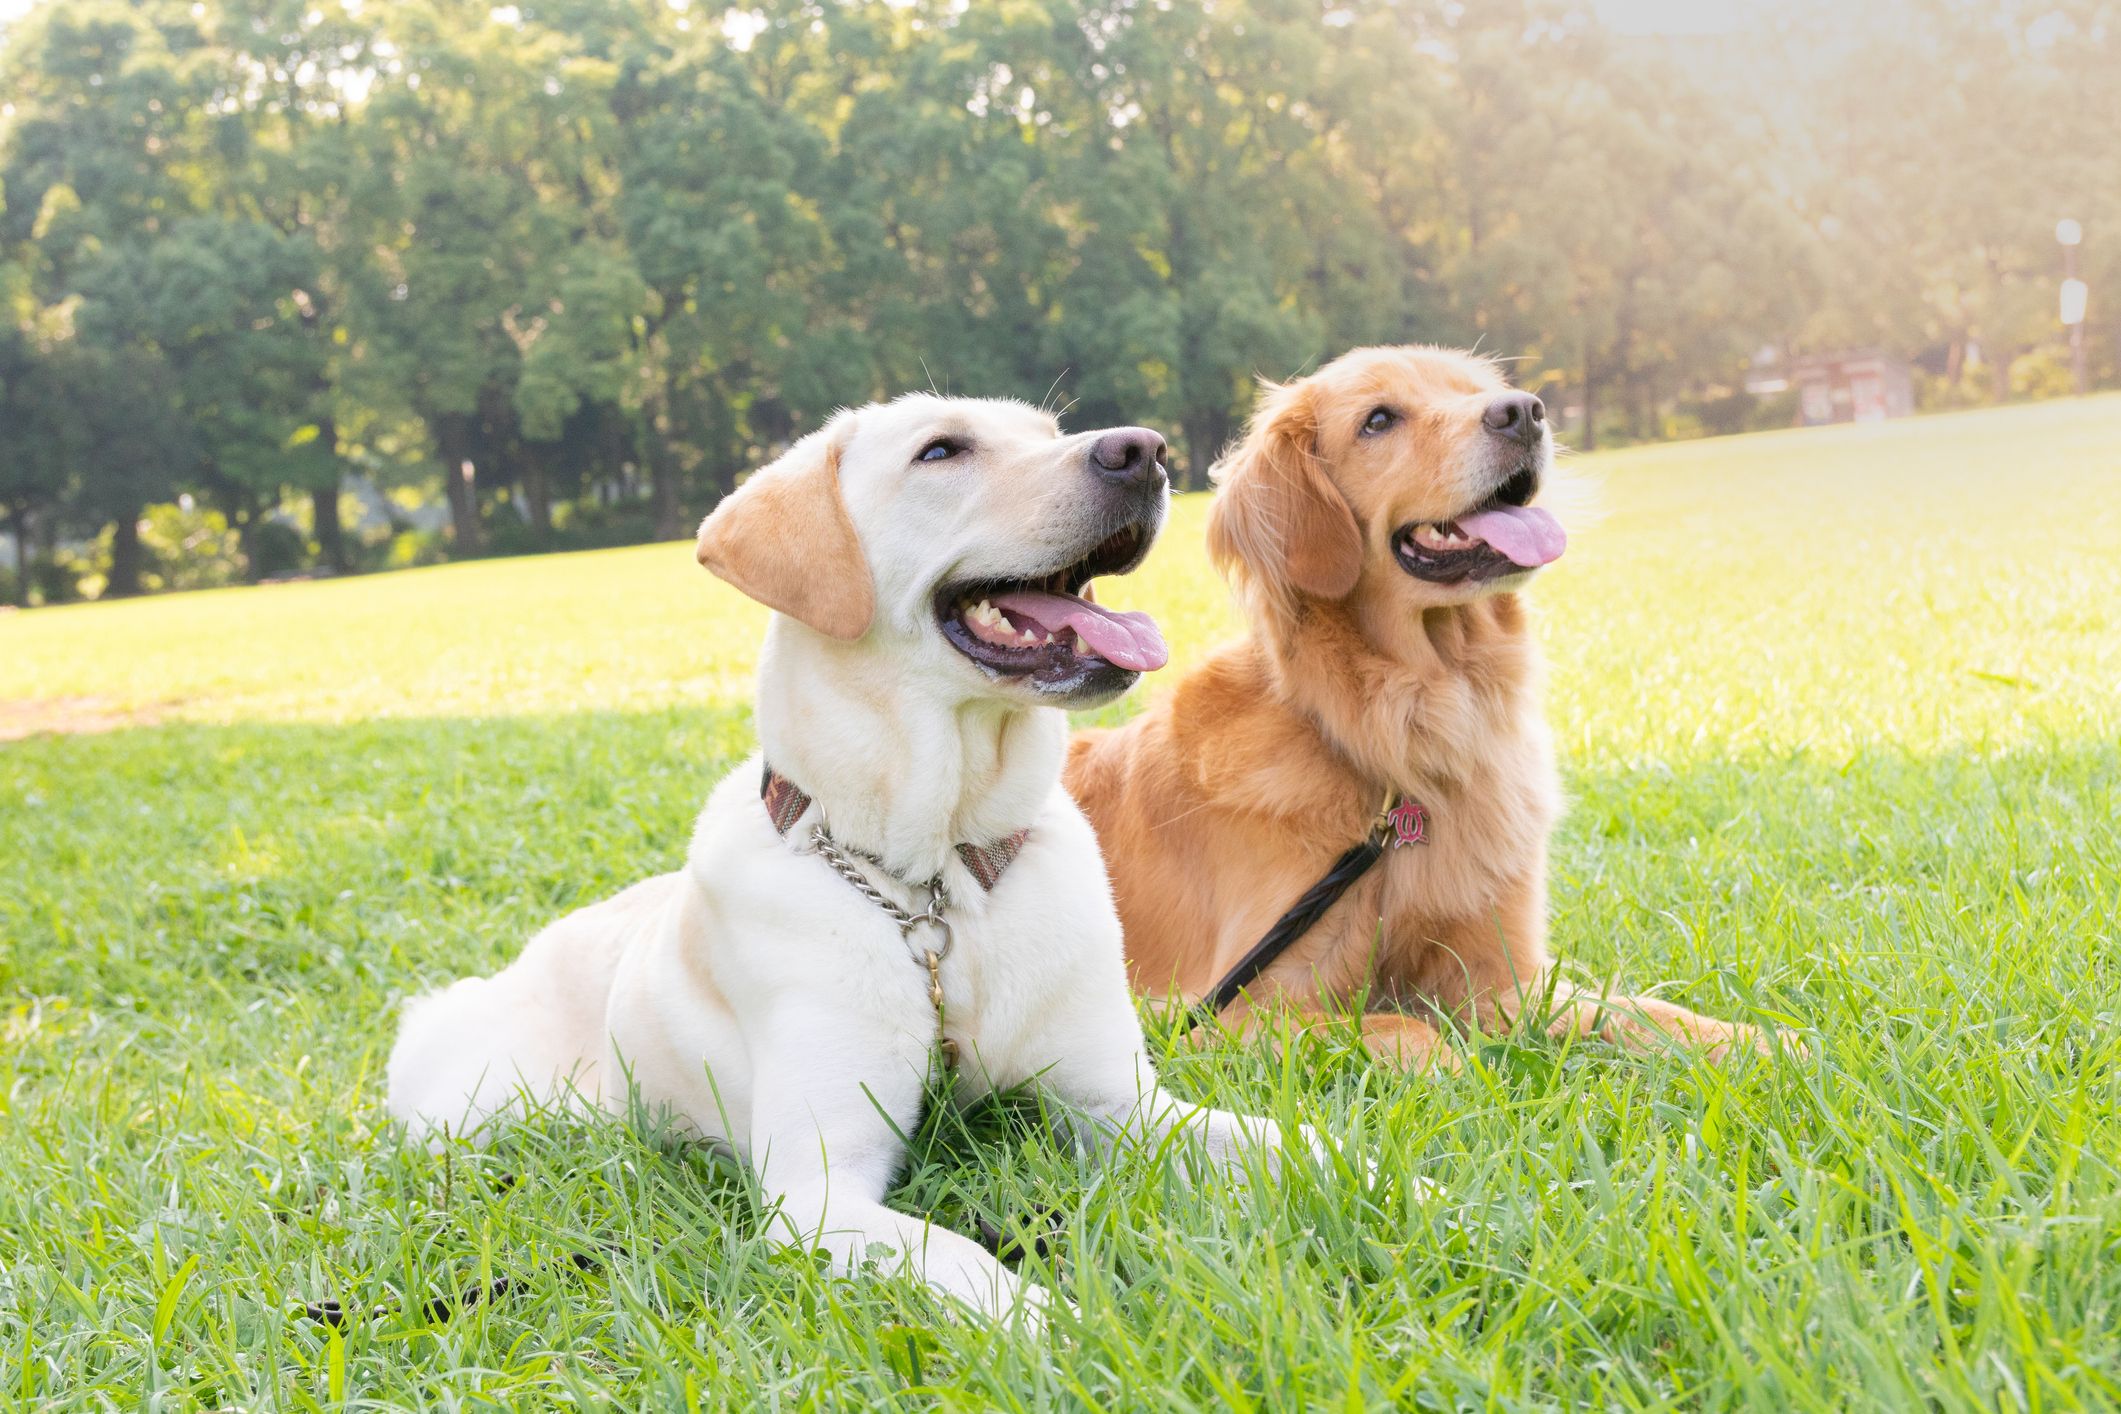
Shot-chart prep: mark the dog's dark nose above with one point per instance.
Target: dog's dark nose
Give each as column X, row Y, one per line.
column 1128, row 456
column 1517, row 416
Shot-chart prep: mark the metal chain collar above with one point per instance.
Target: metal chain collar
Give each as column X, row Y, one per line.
column 836, row 856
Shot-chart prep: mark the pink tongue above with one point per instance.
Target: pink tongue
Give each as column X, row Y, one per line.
column 1128, row 640
column 1527, row 534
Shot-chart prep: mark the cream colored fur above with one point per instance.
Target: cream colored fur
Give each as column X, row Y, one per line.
column 757, row 996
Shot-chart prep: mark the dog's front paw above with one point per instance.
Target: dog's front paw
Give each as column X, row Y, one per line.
column 1005, row 1300
column 1035, row 1308
column 1333, row 1158
column 1323, row 1151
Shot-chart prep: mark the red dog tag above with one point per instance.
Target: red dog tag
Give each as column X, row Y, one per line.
column 1410, row 824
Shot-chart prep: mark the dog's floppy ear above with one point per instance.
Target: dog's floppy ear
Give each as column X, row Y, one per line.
column 1278, row 519
column 785, row 539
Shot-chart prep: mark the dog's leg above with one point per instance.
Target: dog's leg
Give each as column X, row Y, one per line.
column 1111, row 1099
column 1639, row 1023
column 825, row 1144
column 1390, row 1037
column 1495, row 973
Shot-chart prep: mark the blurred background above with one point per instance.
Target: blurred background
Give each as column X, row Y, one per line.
column 304, row 287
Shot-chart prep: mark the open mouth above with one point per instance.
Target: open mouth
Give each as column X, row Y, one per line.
column 1047, row 629
column 1503, row 536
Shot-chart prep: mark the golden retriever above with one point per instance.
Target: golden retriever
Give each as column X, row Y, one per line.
column 1377, row 523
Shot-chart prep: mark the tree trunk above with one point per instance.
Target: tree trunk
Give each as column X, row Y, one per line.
column 453, row 441
column 613, row 452
column 537, row 488
column 1588, row 440
column 18, row 522
column 1999, row 373
column 1206, row 430
column 662, row 468
column 324, row 505
column 1634, row 403
column 47, row 536
column 463, row 507
column 331, row 535
column 124, row 557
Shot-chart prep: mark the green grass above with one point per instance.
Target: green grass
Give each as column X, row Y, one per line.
column 1838, row 711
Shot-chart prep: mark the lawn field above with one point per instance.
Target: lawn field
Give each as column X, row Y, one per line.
column 1840, row 714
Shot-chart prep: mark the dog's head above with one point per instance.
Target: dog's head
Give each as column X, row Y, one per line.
column 1403, row 475
column 961, row 533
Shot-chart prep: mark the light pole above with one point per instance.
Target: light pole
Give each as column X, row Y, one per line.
column 2075, row 296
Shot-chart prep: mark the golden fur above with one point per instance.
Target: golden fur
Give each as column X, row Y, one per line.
column 1220, row 805
column 785, row 538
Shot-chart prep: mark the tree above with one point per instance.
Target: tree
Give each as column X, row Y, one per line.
column 467, row 208
column 720, row 190
column 35, row 428
column 290, row 71
column 214, row 304
column 535, row 248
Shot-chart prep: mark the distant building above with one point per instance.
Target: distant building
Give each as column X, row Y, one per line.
column 1856, row 385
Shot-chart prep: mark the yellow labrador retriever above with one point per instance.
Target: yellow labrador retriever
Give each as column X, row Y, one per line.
column 896, row 886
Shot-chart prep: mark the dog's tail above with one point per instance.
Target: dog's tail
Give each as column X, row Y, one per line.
column 480, row 1047
column 535, row 1033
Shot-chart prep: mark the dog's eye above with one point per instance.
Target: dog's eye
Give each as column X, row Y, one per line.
column 1379, row 420
column 942, row 449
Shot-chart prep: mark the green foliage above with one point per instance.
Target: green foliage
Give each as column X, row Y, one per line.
column 1870, row 796
column 274, row 548
column 546, row 255
column 2043, row 373
column 191, row 549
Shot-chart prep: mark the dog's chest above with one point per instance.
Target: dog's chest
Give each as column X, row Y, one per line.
column 1454, row 848
column 990, row 965
column 996, row 972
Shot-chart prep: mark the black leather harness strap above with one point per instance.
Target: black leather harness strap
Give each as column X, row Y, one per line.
column 1401, row 822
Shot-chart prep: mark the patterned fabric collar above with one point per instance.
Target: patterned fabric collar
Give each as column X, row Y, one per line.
column 786, row 801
